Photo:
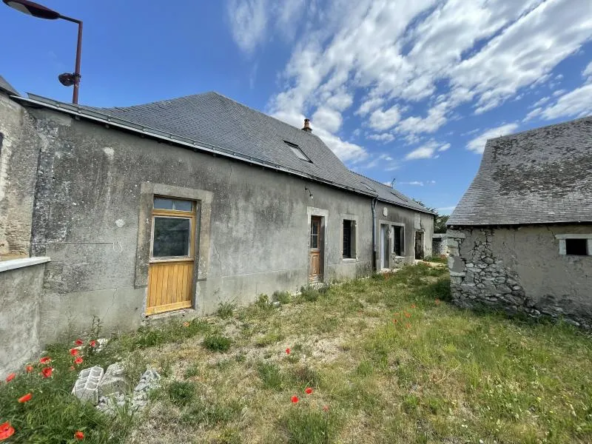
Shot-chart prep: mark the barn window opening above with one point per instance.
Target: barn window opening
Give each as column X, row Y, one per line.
column 349, row 239
column 297, row 151
column 576, row 247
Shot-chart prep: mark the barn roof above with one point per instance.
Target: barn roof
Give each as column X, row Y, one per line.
column 213, row 121
column 542, row 176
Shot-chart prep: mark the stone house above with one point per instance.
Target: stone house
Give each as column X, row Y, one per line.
column 178, row 205
column 521, row 237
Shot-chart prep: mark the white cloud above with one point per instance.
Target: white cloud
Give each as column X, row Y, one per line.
column 423, row 152
column 248, row 22
column 393, row 55
column 478, row 143
column 384, row 137
column 446, row 210
column 588, row 70
column 382, row 120
column 444, row 147
column 416, row 183
column 328, row 119
column 577, row 103
column 559, row 92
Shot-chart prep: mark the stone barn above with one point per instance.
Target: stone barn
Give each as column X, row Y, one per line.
column 521, row 237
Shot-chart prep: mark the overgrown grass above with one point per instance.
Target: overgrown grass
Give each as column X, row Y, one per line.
column 387, row 360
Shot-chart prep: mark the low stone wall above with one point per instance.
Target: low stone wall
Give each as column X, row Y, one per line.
column 519, row 272
column 21, row 282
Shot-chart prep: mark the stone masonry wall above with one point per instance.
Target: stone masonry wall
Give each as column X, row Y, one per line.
column 504, row 269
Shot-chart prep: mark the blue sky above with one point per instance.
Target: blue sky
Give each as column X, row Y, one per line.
column 406, row 90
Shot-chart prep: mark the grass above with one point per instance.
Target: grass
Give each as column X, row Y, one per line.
column 388, row 360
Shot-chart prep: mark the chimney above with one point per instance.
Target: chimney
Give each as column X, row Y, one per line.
column 307, row 127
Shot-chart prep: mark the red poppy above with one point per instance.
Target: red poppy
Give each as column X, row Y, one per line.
column 79, row 435
column 46, row 372
column 308, row 391
column 78, row 361
column 78, row 342
column 295, row 399
column 10, row 377
column 29, row 368
column 413, row 306
column 395, row 321
column 288, row 351
column 326, row 408
column 407, row 315
column 408, row 325
column 73, row 351
column 45, row 360
column 6, row 431
column 93, row 343
column 25, row 398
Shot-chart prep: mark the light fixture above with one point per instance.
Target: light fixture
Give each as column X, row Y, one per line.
column 309, row 192
column 40, row 11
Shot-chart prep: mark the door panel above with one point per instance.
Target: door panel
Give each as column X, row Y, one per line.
column 170, row 277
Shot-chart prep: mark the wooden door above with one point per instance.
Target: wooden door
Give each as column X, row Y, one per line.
column 418, row 245
column 170, row 279
column 315, row 248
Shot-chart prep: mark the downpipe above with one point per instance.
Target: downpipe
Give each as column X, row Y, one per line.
column 374, row 235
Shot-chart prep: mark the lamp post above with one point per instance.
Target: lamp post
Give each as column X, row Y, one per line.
column 40, row 11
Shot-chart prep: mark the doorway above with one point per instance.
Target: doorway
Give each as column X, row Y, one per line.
column 384, row 246
column 316, row 249
column 419, row 245
column 170, row 272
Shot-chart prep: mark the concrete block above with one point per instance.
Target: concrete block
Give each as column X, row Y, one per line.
column 114, row 381
column 86, row 387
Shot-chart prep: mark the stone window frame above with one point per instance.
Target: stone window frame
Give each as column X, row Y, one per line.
column 353, row 219
column 562, row 243
column 203, row 207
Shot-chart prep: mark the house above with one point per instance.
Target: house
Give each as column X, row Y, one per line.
column 181, row 205
column 521, row 237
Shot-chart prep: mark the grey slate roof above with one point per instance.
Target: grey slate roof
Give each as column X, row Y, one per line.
column 5, row 86
column 388, row 194
column 542, row 176
column 213, row 120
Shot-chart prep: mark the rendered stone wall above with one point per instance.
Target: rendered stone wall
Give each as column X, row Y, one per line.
column 520, row 270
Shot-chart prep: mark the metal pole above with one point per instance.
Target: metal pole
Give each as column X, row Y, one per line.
column 77, row 75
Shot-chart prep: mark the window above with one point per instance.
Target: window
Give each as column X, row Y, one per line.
column 349, row 239
column 315, row 228
column 161, row 203
column 172, row 236
column 172, row 222
column 399, row 240
column 297, row 151
column 575, row 244
column 576, row 247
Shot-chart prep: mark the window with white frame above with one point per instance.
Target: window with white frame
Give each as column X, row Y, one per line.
column 575, row 244
column 349, row 239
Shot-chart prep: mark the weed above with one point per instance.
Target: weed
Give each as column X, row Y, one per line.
column 225, row 310
column 309, row 294
column 209, row 414
column 270, row 376
column 181, row 393
column 283, row 297
column 270, row 338
column 191, row 371
column 307, row 426
column 217, row 343
column 305, row 377
column 263, row 303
